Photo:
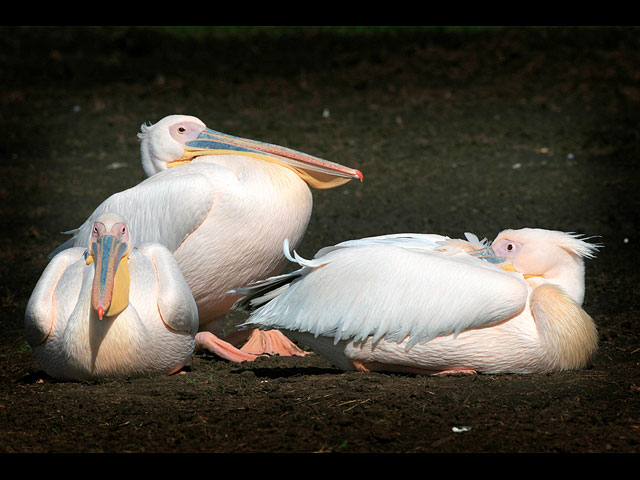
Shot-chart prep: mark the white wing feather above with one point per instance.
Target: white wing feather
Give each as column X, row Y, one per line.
column 411, row 241
column 374, row 288
column 263, row 291
column 42, row 308
column 164, row 208
column 175, row 302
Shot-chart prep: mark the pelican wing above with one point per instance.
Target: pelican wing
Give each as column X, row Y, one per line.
column 263, row 291
column 175, row 302
column 43, row 303
column 387, row 291
column 411, row 241
column 164, row 208
column 423, row 242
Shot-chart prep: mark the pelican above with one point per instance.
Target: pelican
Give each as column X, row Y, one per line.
column 429, row 304
column 110, row 309
column 222, row 205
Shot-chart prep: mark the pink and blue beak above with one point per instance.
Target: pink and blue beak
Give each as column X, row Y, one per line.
column 211, row 142
column 107, row 251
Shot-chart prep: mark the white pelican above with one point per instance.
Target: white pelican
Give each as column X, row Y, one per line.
column 223, row 213
column 111, row 310
column 428, row 304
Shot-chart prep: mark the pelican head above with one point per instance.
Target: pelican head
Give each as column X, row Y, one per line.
column 546, row 256
column 162, row 144
column 178, row 139
column 109, row 249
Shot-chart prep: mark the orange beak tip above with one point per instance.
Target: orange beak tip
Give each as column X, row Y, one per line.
column 100, row 312
column 360, row 175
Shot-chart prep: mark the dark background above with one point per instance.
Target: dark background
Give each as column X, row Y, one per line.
column 455, row 130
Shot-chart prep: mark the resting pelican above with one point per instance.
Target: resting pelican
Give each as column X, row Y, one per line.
column 111, row 310
column 223, row 213
column 429, row 304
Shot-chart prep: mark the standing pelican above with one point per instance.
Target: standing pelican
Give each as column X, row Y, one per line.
column 111, row 310
column 223, row 213
column 428, row 304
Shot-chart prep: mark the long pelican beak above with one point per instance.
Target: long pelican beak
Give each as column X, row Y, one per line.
column 318, row 173
column 110, row 291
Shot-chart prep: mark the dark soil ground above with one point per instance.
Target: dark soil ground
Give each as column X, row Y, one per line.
column 455, row 130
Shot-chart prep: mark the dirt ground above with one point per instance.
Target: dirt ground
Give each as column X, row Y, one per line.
column 455, row 130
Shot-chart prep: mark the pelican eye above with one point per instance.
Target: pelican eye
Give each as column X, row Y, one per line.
column 510, row 247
